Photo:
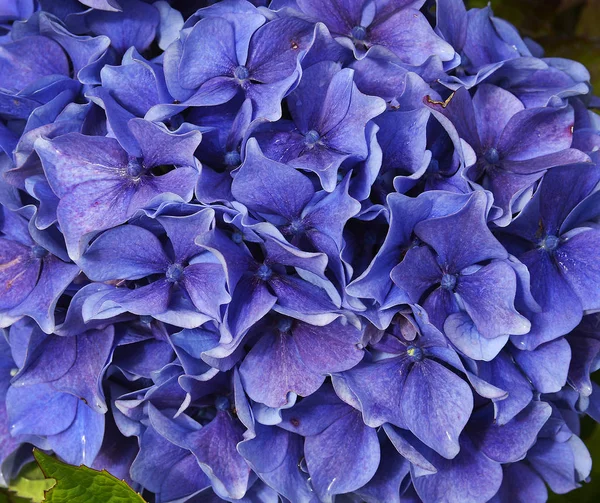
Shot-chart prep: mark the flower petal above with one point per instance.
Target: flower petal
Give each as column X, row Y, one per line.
column 470, row 477
column 80, row 443
column 488, row 295
column 273, row 368
column 462, row 238
column 343, row 457
column 270, row 187
column 546, row 366
column 579, row 263
column 510, row 442
column 536, row 132
column 432, row 391
column 415, row 42
column 127, row 252
column 214, row 446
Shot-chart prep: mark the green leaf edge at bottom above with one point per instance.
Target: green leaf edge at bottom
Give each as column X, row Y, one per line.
column 81, row 484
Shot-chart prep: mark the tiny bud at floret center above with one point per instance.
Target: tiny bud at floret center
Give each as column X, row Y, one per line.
column 264, row 272
column 448, row 281
column 284, row 325
column 359, row 32
column 233, row 158
column 38, row 252
column 311, row 138
column 415, row 353
column 296, row 227
column 174, row 273
column 135, row 167
column 550, row 243
column 241, row 73
column 492, row 156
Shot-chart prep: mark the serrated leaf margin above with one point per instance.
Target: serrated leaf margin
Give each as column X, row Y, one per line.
column 41, row 458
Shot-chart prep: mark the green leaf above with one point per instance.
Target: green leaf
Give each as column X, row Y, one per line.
column 7, row 497
column 31, row 484
column 80, row 484
column 588, row 26
column 479, row 4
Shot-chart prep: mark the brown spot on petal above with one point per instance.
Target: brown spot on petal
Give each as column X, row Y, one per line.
column 295, row 422
column 443, row 104
column 540, row 230
column 294, row 45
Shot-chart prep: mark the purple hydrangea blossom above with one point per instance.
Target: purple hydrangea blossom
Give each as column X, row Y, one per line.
column 494, row 123
column 101, row 184
column 297, row 250
column 363, row 25
column 556, row 249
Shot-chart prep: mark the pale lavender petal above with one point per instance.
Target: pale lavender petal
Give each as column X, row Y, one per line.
column 415, row 42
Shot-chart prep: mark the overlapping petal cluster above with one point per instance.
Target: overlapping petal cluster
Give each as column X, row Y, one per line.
column 298, row 250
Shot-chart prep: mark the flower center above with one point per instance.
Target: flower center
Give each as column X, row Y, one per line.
column 241, row 72
column 135, row 167
column 264, row 272
column 296, row 227
column 284, row 325
column 448, row 281
column 237, row 237
column 174, row 273
column 491, row 156
column 415, row 353
column 359, row 32
column 38, row 252
column 222, row 403
column 311, row 138
column 233, row 158
column 550, row 243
